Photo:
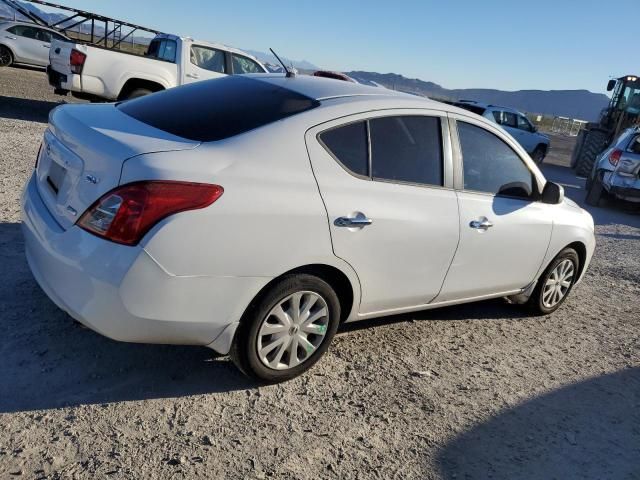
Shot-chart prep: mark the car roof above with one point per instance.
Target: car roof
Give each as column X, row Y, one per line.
column 321, row 88
column 28, row 24
column 488, row 106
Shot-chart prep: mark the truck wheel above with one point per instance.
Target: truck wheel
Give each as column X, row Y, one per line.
column 538, row 154
column 594, row 190
column 138, row 92
column 594, row 142
column 6, row 57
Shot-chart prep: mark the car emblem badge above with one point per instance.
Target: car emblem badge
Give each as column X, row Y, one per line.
column 91, row 179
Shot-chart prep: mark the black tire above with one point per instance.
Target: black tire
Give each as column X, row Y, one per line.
column 244, row 350
column 538, row 154
column 6, row 56
column 535, row 302
column 595, row 190
column 594, row 143
column 136, row 93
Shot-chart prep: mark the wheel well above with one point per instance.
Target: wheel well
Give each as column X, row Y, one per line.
column 135, row 83
column 334, row 277
column 13, row 55
column 542, row 146
column 581, row 250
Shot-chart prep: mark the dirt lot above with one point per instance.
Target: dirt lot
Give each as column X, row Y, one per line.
column 478, row 391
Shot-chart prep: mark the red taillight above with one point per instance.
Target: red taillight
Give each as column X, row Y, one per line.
column 76, row 61
column 127, row 213
column 614, row 157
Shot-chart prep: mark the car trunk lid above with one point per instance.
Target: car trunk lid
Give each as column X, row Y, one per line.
column 83, row 151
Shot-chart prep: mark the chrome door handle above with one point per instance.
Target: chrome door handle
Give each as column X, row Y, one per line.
column 483, row 224
column 10, row 37
column 359, row 221
column 193, row 75
column 46, row 46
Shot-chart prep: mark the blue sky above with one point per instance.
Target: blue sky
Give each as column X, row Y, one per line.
column 509, row 45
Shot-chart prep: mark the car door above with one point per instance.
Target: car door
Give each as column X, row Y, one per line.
column 44, row 38
column 205, row 63
column 28, row 49
column 527, row 133
column 504, row 230
column 386, row 182
column 242, row 65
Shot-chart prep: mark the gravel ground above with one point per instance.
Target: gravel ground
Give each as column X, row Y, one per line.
column 477, row 391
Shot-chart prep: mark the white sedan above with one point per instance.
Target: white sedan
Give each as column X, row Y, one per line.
column 254, row 215
column 26, row 43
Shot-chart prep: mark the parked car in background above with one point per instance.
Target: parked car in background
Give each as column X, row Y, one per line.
column 257, row 221
column 516, row 123
column 616, row 171
column 26, row 43
column 92, row 72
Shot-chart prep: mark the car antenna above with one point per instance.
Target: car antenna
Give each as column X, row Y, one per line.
column 291, row 72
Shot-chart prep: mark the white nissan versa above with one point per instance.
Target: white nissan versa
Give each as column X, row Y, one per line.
column 254, row 215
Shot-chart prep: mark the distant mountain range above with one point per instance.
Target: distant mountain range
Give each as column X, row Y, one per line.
column 581, row 104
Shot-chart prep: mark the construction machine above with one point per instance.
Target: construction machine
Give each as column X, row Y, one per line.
column 622, row 112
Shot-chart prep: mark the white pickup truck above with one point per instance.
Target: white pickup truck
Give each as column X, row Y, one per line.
column 97, row 73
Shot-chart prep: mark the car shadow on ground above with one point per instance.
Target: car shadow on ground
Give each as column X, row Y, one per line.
column 26, row 109
column 583, row 430
column 50, row 361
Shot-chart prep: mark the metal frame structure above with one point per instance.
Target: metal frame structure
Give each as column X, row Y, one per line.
column 111, row 39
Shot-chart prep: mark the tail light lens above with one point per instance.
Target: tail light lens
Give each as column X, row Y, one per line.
column 614, row 157
column 76, row 61
column 125, row 214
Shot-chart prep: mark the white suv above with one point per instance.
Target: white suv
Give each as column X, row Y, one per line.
column 258, row 221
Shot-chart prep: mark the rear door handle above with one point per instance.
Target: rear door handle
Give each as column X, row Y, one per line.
column 10, row 37
column 357, row 221
column 482, row 224
column 46, row 46
column 193, row 75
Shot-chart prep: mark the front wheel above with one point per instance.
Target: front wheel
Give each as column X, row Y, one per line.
column 287, row 330
column 538, row 155
column 555, row 283
column 6, row 57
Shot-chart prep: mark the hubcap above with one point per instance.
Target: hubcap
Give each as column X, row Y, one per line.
column 293, row 330
column 558, row 283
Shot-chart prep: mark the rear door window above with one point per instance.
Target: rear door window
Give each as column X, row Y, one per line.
column 407, row 149
column 208, row 58
column 349, row 146
column 163, row 49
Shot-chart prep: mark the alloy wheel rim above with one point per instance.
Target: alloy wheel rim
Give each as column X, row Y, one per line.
column 293, row 330
column 558, row 283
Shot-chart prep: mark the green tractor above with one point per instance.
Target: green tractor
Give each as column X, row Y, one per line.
column 623, row 112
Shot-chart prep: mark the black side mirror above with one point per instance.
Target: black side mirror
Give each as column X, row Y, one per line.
column 552, row 193
column 611, row 85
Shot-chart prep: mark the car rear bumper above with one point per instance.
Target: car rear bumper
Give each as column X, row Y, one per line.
column 623, row 187
column 120, row 291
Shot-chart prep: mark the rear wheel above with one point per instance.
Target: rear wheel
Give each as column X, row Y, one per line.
column 594, row 142
column 555, row 283
column 136, row 93
column 594, row 190
column 6, row 57
column 538, row 154
column 287, row 330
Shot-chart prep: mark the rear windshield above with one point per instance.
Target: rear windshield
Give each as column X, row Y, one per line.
column 217, row 109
